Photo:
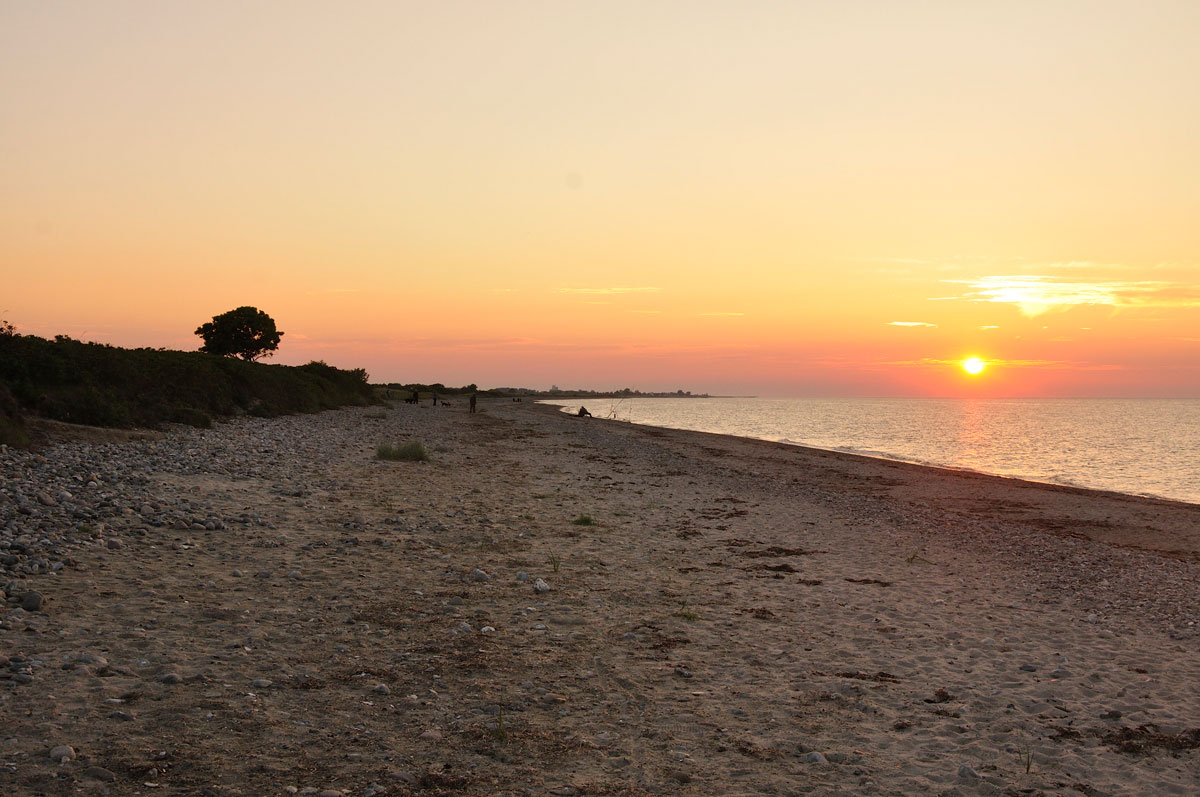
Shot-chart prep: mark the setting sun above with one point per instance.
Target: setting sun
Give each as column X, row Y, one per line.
column 973, row 365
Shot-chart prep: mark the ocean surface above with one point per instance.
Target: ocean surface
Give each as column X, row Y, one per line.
column 1135, row 446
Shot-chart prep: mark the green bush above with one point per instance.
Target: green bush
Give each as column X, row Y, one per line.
column 90, row 383
column 409, row 452
column 584, row 520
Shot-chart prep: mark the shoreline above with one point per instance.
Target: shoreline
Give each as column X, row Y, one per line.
column 265, row 608
column 898, row 458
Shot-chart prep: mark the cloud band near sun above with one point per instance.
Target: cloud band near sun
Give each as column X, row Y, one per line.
column 1035, row 294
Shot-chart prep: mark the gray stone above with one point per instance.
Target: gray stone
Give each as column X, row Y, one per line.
column 814, row 758
column 62, row 753
column 32, row 601
column 99, row 773
column 966, row 771
column 540, row 586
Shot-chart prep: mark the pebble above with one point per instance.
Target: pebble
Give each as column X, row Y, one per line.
column 261, row 683
column 540, row 586
column 99, row 773
column 815, row 758
column 62, row 753
column 170, row 678
column 480, row 575
column 431, row 735
column 32, row 601
column 382, row 689
column 966, row 771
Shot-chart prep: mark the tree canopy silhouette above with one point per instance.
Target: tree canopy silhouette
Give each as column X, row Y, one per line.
column 246, row 332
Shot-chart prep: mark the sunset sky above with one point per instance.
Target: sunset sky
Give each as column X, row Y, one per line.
column 770, row 198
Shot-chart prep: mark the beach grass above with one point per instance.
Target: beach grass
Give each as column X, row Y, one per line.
column 413, row 451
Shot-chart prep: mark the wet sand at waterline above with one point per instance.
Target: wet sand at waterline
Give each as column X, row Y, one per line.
column 266, row 608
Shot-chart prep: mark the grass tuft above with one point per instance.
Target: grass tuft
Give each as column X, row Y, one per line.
column 583, row 520
column 409, row 452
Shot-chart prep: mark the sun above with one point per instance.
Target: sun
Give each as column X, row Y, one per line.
column 973, row 365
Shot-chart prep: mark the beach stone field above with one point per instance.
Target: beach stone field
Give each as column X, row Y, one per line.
column 570, row 606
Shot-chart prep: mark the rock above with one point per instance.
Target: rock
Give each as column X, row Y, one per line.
column 540, row 586
column 99, row 773
column 261, row 683
column 170, row 678
column 62, row 753
column 814, row 758
column 487, row 629
column 112, row 543
column 382, row 689
column 32, row 601
column 966, row 771
column 522, row 576
column 431, row 735
column 480, row 575
column 45, row 499
column 1029, row 667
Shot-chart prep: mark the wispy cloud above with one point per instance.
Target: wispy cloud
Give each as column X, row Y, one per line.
column 989, row 326
column 1036, row 294
column 608, row 291
column 911, row 324
column 927, row 362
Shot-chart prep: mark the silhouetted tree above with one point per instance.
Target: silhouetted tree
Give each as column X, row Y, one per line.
column 246, row 332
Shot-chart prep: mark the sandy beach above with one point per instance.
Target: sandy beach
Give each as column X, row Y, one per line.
column 561, row 605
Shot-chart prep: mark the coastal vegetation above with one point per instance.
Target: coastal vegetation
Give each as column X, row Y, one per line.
column 413, row 451
column 100, row 385
column 244, row 332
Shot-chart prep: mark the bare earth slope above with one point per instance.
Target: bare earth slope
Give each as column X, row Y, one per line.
column 265, row 608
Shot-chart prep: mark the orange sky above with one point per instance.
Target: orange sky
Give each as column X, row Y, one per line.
column 771, row 198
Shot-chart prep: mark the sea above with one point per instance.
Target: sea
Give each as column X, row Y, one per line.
column 1147, row 447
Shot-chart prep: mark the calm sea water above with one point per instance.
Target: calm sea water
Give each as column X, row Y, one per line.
column 1136, row 446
